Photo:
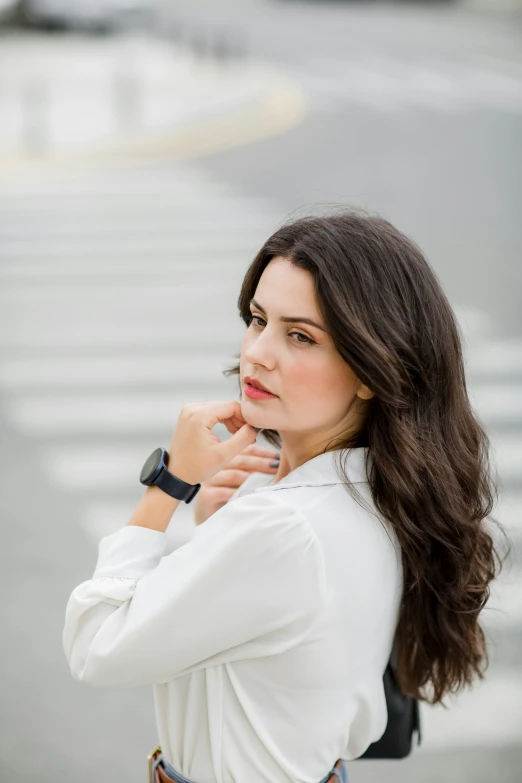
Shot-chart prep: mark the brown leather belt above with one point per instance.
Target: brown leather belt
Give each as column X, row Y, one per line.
column 160, row 776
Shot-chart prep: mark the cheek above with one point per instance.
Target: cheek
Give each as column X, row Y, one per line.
column 321, row 381
column 304, row 373
column 309, row 380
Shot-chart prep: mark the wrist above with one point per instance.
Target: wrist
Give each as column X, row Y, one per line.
column 154, row 510
column 180, row 472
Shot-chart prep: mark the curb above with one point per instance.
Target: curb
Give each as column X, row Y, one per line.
column 244, row 105
column 283, row 108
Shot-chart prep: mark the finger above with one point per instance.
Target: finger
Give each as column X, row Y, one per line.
column 256, row 464
column 259, row 451
column 222, row 411
column 230, row 477
column 238, row 442
column 253, row 449
column 234, row 424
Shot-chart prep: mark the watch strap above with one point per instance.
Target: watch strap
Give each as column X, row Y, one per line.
column 175, row 487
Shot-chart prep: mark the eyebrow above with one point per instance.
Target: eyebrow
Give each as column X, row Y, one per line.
column 288, row 319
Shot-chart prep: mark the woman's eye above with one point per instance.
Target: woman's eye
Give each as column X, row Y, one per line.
column 305, row 339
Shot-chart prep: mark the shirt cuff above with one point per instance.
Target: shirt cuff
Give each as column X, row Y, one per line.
column 130, row 552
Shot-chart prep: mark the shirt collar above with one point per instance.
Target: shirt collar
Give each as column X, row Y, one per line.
column 322, row 470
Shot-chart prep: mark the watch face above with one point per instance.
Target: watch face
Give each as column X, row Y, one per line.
column 149, row 470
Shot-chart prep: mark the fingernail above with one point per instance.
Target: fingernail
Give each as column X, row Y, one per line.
column 274, row 464
column 258, row 429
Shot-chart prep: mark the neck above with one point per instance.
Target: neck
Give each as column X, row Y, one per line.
column 296, row 451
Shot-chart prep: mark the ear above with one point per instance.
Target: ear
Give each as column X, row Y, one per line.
column 364, row 393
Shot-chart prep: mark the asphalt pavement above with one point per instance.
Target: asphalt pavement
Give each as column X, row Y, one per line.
column 410, row 111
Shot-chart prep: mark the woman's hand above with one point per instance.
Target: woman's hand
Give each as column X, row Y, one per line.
column 216, row 492
column 195, row 454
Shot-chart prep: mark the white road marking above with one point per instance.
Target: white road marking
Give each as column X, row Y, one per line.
column 155, row 333
column 101, row 519
column 21, row 374
column 505, row 525
column 88, row 467
column 494, row 357
column 473, row 322
column 218, row 261
column 83, row 467
column 506, row 452
column 106, row 413
column 72, row 295
column 497, row 403
column 508, row 512
column 170, row 218
column 241, row 239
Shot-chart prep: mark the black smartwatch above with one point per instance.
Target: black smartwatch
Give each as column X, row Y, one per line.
column 155, row 473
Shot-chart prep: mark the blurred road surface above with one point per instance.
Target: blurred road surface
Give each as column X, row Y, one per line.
column 412, row 112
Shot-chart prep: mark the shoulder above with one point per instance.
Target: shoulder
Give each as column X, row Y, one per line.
column 258, row 513
column 252, row 482
column 269, row 535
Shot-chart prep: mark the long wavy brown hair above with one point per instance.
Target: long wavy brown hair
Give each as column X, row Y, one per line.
column 428, row 464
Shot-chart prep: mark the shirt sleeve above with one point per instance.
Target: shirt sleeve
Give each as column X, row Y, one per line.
column 249, row 583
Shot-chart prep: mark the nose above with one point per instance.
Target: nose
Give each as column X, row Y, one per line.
column 260, row 349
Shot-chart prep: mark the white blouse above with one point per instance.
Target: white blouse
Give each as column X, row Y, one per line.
column 265, row 636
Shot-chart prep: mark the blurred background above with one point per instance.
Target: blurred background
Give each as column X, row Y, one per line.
column 147, row 150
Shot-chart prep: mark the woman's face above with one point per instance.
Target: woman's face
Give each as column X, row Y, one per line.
column 314, row 386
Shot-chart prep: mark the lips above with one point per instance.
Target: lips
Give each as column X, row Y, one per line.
column 256, row 384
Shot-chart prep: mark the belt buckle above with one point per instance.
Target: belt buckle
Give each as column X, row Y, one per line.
column 151, row 758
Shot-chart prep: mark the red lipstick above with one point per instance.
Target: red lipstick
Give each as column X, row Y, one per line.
column 255, row 389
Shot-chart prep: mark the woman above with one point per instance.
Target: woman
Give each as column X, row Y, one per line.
column 266, row 636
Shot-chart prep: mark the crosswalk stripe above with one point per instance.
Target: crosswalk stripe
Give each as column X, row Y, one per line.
column 506, row 451
column 198, row 252
column 497, row 403
column 509, row 512
column 494, row 357
column 150, row 203
column 473, row 322
column 19, row 374
column 144, row 245
column 219, row 260
column 198, row 201
column 126, row 188
column 171, row 226
column 68, row 296
column 103, row 518
column 111, row 413
column 104, row 465
column 216, row 336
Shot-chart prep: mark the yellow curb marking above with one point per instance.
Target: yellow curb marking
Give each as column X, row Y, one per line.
column 283, row 108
